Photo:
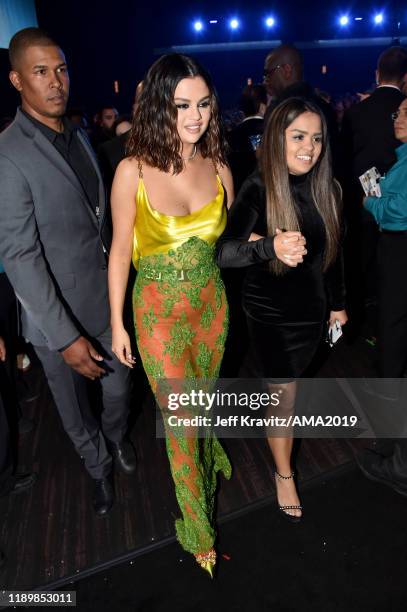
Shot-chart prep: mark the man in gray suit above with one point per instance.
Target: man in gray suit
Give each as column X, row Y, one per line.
column 53, row 244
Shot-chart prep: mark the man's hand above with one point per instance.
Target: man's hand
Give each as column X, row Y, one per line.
column 2, row 350
column 81, row 355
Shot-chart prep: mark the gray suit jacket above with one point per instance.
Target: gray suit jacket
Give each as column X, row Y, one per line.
column 50, row 239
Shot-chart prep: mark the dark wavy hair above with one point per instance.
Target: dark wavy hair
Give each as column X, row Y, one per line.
column 326, row 192
column 154, row 136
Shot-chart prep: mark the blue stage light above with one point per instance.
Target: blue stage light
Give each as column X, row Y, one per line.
column 234, row 24
column 198, row 26
column 344, row 20
column 378, row 18
column 270, row 22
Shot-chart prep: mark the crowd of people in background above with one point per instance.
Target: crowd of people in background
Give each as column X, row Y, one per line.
column 293, row 159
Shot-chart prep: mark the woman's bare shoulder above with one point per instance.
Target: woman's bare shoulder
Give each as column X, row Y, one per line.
column 127, row 174
column 127, row 167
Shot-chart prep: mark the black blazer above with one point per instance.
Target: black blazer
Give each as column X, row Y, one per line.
column 368, row 134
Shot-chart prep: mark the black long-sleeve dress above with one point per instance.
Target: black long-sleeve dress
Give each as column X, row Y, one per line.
column 285, row 314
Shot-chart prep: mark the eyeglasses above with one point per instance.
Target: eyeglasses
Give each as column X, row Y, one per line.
column 397, row 113
column 269, row 72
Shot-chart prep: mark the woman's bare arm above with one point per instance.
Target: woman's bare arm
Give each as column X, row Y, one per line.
column 123, row 202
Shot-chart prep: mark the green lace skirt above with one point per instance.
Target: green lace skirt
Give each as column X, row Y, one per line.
column 181, row 318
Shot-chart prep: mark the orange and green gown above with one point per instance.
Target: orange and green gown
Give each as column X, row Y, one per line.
column 181, row 320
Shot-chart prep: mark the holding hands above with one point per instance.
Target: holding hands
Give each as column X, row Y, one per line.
column 290, row 247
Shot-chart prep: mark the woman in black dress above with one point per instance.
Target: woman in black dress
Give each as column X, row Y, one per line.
column 284, row 227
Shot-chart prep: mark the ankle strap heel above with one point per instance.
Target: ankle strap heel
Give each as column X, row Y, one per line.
column 283, row 509
column 284, row 477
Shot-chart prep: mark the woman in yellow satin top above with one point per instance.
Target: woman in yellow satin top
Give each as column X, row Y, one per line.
column 169, row 207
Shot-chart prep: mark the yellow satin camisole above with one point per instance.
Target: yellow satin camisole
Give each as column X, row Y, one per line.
column 155, row 232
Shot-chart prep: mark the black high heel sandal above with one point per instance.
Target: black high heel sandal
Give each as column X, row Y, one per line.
column 283, row 509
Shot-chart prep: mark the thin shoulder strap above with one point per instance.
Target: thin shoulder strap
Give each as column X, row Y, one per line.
column 218, row 176
column 140, row 169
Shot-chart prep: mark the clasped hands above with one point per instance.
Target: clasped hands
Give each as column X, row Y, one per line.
column 289, row 246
